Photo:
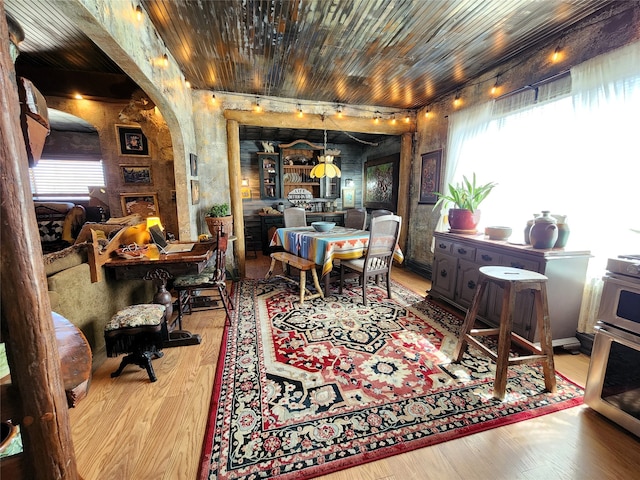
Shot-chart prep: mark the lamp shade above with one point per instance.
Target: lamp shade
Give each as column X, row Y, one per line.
column 151, row 221
column 325, row 168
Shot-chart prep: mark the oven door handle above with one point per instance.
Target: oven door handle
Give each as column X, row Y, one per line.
column 621, row 336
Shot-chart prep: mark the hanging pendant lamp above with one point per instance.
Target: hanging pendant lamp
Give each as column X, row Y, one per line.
column 325, row 166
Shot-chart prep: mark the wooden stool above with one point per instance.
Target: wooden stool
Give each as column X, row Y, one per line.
column 138, row 330
column 301, row 264
column 512, row 280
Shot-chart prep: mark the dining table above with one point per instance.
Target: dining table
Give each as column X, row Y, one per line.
column 323, row 248
column 160, row 268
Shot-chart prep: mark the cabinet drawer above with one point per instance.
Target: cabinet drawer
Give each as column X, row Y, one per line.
column 518, row 262
column 444, row 246
column 487, row 257
column 461, row 250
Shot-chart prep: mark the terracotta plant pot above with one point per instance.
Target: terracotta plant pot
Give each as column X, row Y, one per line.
column 214, row 223
column 461, row 219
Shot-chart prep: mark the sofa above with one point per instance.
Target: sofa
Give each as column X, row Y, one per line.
column 58, row 223
column 89, row 305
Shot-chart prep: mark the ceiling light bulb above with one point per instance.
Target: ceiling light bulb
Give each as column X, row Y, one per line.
column 258, row 108
column 139, row 13
column 556, row 54
column 427, row 113
column 407, row 119
column 213, row 98
column 187, row 83
column 77, row 96
column 300, row 111
column 457, row 101
column 339, row 111
column 165, row 60
column 393, row 119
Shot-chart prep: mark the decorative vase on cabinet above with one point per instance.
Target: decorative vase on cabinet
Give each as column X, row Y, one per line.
column 544, row 232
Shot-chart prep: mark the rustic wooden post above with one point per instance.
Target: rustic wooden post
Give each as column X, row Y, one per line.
column 26, row 311
column 404, row 185
column 233, row 152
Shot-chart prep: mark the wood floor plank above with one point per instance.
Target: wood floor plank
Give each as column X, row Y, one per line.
column 130, row 429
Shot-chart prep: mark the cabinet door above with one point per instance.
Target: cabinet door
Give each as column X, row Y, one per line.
column 269, row 176
column 467, row 283
column 444, row 275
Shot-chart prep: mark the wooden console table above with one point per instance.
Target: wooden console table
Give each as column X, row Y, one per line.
column 455, row 276
column 159, row 271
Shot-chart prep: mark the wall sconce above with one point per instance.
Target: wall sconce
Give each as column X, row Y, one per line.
column 244, row 182
column 348, row 182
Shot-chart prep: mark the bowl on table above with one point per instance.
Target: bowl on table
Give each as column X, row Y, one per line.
column 323, row 226
column 498, row 233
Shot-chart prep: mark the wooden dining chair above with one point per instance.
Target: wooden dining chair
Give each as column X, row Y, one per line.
column 356, row 218
column 295, row 217
column 379, row 213
column 378, row 260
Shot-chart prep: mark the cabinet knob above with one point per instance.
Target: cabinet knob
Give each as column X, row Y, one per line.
column 442, row 245
column 471, row 285
column 443, row 273
column 487, row 258
column 517, row 265
column 462, row 251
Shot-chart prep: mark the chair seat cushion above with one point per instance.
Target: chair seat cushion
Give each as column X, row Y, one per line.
column 143, row 315
column 355, row 264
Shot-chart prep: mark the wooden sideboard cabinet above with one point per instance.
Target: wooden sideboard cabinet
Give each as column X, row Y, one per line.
column 270, row 222
column 457, row 259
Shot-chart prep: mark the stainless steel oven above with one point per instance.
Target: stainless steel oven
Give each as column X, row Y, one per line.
column 613, row 381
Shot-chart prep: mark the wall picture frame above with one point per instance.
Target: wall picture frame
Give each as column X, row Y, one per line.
column 430, row 177
column 144, row 204
column 136, row 174
column 132, row 141
column 381, row 182
column 195, row 192
column 348, row 197
column 193, row 162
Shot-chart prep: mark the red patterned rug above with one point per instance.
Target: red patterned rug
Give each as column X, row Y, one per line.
column 305, row 391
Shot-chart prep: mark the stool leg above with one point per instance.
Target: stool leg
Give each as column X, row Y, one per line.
column 316, row 283
column 469, row 320
column 303, row 283
column 546, row 344
column 271, row 268
column 504, row 341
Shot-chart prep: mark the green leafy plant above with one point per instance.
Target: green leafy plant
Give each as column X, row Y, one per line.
column 218, row 210
column 466, row 194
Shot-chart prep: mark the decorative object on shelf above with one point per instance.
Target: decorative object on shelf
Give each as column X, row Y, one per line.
column 193, row 163
column 467, row 197
column 498, row 233
column 268, row 147
column 527, row 228
column 544, row 231
column 430, row 177
column 132, row 141
column 325, row 166
column 219, row 217
column 563, row 231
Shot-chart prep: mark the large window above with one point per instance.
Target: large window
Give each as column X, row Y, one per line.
column 65, row 179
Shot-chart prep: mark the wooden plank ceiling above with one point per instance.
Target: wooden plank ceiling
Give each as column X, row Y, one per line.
column 397, row 54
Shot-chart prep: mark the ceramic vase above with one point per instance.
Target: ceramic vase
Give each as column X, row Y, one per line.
column 563, row 231
column 544, row 231
column 462, row 220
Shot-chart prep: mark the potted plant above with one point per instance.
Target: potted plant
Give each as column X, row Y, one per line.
column 219, row 216
column 466, row 196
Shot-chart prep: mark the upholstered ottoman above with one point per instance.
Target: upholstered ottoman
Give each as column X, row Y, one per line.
column 138, row 331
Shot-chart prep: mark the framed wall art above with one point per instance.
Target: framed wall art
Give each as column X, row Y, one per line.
column 195, row 192
column 348, row 197
column 381, row 182
column 430, row 176
column 193, row 162
column 145, row 204
column 132, row 141
column 136, row 174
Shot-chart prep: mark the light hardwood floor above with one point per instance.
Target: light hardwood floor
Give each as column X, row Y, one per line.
column 130, row 429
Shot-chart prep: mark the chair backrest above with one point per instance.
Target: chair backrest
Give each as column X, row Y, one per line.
column 383, row 237
column 379, row 213
column 295, row 217
column 356, row 218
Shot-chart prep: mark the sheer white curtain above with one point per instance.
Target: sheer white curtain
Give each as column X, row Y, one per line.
column 577, row 156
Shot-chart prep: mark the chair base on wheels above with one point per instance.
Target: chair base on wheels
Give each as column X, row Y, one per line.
column 139, row 331
column 512, row 280
column 303, row 265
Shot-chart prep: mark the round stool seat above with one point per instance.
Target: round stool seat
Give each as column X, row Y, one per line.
column 143, row 315
column 512, row 274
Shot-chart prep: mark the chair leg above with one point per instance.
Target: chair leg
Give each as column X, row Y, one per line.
column 469, row 320
column 303, row 285
column 546, row 343
column 363, row 282
column 504, row 341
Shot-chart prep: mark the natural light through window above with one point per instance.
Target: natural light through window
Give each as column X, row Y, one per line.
column 65, row 178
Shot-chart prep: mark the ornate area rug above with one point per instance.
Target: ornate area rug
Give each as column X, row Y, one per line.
column 304, row 391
